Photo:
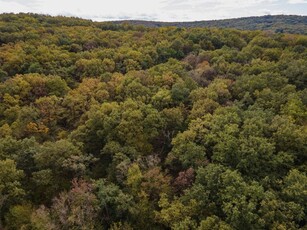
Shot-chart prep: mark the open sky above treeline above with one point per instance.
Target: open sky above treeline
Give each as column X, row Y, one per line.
column 156, row 10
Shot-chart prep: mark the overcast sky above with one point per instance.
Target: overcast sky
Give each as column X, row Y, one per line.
column 158, row 10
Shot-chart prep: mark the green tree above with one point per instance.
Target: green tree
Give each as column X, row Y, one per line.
column 59, row 162
column 11, row 190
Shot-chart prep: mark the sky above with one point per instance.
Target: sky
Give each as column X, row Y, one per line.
column 157, row 10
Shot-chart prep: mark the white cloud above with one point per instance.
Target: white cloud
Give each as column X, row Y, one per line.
column 218, row 9
column 297, row 2
column 13, row 7
column 98, row 7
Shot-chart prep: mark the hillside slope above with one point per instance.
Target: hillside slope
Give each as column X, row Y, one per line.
column 292, row 24
column 279, row 23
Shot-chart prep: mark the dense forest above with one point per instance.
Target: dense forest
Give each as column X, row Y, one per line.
column 106, row 126
column 276, row 23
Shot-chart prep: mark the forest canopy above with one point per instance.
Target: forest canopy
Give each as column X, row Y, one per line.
column 293, row 24
column 107, row 126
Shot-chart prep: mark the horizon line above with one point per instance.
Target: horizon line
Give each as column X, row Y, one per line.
column 147, row 20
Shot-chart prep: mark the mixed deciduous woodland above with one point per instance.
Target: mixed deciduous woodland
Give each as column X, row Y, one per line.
column 106, row 126
column 277, row 23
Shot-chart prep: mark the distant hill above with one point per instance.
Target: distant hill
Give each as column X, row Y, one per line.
column 293, row 24
column 277, row 23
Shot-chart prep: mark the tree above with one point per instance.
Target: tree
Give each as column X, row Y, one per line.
column 59, row 162
column 184, row 180
column 19, row 217
column 154, row 183
column 10, row 185
column 189, row 153
column 174, row 212
column 79, row 100
column 115, row 205
column 294, row 188
column 213, row 223
column 280, row 214
column 76, row 209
